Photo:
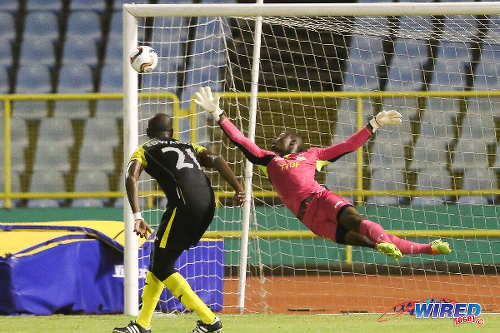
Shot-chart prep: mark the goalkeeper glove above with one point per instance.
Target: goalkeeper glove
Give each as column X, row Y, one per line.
column 385, row 118
column 208, row 102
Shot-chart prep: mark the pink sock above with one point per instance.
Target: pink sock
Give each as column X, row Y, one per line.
column 373, row 231
column 408, row 247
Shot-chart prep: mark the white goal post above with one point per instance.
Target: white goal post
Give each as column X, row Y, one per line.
column 131, row 89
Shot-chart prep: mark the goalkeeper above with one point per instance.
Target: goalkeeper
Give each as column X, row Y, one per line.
column 291, row 170
column 174, row 164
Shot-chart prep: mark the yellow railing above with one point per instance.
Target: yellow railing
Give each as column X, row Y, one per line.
column 179, row 114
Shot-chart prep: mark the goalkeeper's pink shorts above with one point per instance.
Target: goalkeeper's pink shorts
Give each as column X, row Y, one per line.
column 321, row 213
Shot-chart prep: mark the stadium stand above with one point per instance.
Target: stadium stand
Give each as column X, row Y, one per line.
column 4, row 81
column 74, row 78
column 47, row 5
column 432, row 179
column 51, row 157
column 41, row 24
column 84, row 23
column 384, row 179
column 478, row 178
column 80, row 50
column 94, row 5
column 91, row 181
column 32, row 79
column 46, row 181
column 36, row 50
column 7, row 28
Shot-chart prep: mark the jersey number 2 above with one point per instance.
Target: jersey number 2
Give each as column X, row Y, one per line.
column 181, row 157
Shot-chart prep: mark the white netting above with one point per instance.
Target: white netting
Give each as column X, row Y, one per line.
column 446, row 142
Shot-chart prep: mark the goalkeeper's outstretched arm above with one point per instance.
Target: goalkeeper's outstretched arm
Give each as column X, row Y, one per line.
column 253, row 153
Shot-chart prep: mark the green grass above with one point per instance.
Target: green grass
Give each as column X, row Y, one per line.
column 261, row 323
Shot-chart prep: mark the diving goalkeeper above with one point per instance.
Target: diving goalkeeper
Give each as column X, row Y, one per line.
column 291, row 170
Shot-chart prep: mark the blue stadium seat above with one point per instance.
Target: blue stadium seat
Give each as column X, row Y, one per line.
column 4, row 81
column 50, row 157
column 46, row 181
column 79, row 50
column 48, row 5
column 102, row 130
column 478, row 179
column 486, row 76
column 18, row 133
column 403, row 78
column 32, row 79
column 84, row 23
column 341, row 175
column 96, row 5
column 75, row 79
column 384, row 179
column 367, row 49
column 169, row 29
column 115, row 27
column 9, row 6
column 111, row 78
column 36, row 50
column 408, row 52
column 7, row 28
column 56, row 131
column 96, row 157
column 114, row 52
column 360, row 76
column 470, row 153
column 42, row 25
column 432, row 179
column 90, row 181
column 448, row 75
column 430, row 152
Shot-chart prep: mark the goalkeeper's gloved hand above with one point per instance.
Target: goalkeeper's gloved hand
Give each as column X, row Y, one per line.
column 385, row 118
column 208, row 102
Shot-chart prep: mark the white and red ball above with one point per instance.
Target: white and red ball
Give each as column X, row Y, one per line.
column 143, row 59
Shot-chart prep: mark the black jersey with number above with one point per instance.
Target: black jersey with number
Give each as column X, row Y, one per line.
column 174, row 165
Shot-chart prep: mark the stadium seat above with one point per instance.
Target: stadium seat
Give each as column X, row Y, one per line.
column 18, row 132
column 470, row 153
column 4, row 82
column 47, row 5
column 169, row 29
column 114, row 52
column 109, row 108
column 32, row 79
column 57, row 131
column 79, row 50
column 101, row 131
column 402, row 78
column 486, row 76
column 76, row 79
column 386, row 178
column 41, row 24
column 387, row 153
column 448, row 75
column 95, row 5
column 51, row 156
column 430, row 152
column 91, row 181
column 46, row 181
column 9, row 6
column 368, row 49
column 111, row 78
column 341, row 175
column 84, row 23
column 115, row 26
column 7, row 28
column 36, row 50
column 360, row 76
column 478, row 179
column 454, row 51
column 432, row 179
column 479, row 126
column 96, row 156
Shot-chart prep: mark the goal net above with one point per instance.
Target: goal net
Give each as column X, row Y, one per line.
column 435, row 176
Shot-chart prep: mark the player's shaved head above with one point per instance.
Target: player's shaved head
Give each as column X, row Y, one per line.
column 287, row 143
column 160, row 126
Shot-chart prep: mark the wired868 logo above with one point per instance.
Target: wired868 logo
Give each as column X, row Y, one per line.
column 438, row 308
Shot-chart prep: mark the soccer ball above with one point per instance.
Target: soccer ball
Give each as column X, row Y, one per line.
column 143, row 59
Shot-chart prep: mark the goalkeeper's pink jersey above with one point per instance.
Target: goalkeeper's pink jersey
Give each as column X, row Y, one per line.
column 293, row 176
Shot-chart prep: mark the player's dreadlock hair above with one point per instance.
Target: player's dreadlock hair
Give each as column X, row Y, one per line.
column 159, row 125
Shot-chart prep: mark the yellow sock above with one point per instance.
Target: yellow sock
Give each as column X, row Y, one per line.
column 150, row 297
column 181, row 289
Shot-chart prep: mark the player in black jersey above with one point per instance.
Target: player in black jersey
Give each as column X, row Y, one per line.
column 176, row 165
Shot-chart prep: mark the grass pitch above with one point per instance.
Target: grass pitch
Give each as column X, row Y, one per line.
column 252, row 323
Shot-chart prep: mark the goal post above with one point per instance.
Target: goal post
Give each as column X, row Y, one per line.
column 324, row 69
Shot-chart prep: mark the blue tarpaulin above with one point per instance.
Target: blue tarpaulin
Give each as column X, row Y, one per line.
column 77, row 267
